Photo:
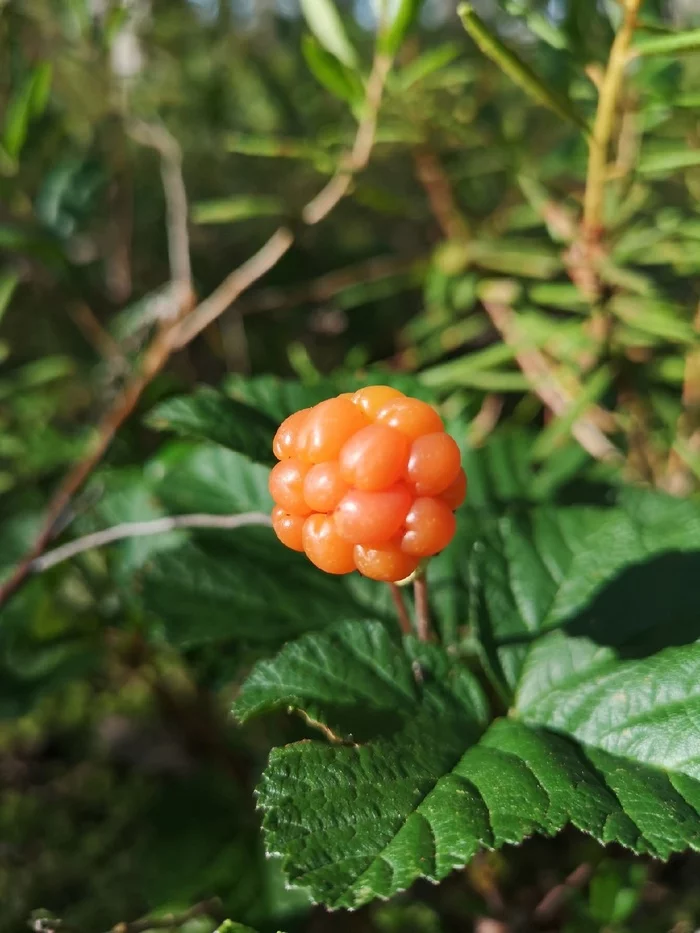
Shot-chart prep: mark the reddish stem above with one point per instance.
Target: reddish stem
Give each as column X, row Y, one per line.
column 404, row 620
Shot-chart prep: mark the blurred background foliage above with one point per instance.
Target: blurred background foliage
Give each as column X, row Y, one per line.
column 125, row 790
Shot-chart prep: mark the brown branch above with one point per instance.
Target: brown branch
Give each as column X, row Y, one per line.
column 553, row 901
column 177, row 211
column 156, row 526
column 339, row 185
column 182, row 322
column 237, row 282
column 604, row 122
column 436, row 184
column 537, row 370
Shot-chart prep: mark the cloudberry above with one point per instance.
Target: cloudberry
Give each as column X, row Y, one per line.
column 328, row 426
column 410, row 416
column 456, row 492
column 372, row 398
column 324, row 486
column 288, row 528
column 366, row 481
column 287, row 486
column 430, row 526
column 287, row 436
column 324, row 547
column 374, row 458
column 433, row 464
column 388, row 564
column 372, row 518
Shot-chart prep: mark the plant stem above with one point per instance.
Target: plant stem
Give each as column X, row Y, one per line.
column 404, row 620
column 420, row 592
column 604, row 122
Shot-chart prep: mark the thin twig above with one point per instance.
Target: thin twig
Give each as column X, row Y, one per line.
column 156, row 526
column 338, row 186
column 604, row 122
column 544, row 383
column 420, row 594
column 538, row 371
column 182, row 323
column 177, row 211
column 404, row 620
column 327, row 286
column 553, row 901
column 436, row 184
column 211, row 908
column 237, row 282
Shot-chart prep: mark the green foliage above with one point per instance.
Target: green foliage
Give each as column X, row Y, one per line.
column 551, row 723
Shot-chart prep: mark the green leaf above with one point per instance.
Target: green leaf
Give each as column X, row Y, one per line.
column 330, row 72
column 29, row 100
column 354, row 676
column 606, row 568
column 209, row 478
column 426, row 63
column 233, row 209
column 516, row 69
column 212, row 416
column 325, row 23
column 664, row 158
column 240, row 586
column 230, row 926
column 687, row 41
column 364, row 821
column 8, row 283
column 406, row 15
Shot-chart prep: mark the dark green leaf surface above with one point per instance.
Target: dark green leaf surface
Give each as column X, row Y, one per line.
column 212, row 416
column 357, row 669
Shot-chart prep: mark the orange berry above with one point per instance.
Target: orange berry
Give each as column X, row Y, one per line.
column 456, row 492
column 288, row 528
column 324, row 487
column 410, row 416
column 286, row 486
column 374, row 458
column 430, row 526
column 372, row 518
column 433, row 464
column 324, row 547
column 330, row 424
column 372, row 398
column 389, row 564
column 285, row 443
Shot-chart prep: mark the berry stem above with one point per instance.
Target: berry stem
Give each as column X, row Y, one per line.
column 404, row 620
column 420, row 593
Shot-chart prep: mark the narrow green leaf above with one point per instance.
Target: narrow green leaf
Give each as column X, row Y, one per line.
column 8, row 283
column 238, row 207
column 325, row 23
column 516, row 69
column 330, row 72
column 687, row 41
column 425, row 64
column 41, row 90
column 559, row 427
column 664, row 158
column 658, row 318
column 28, row 100
column 461, row 371
column 212, row 416
column 406, row 15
